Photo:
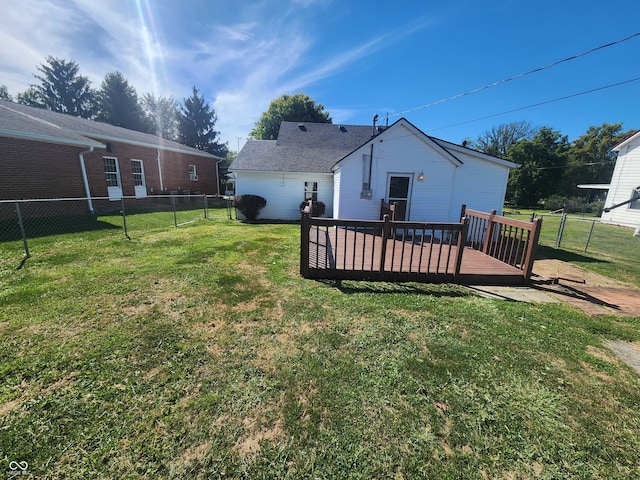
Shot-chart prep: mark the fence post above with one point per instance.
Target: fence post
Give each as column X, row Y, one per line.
column 534, row 237
column 305, row 225
column 491, row 228
column 563, row 219
column 593, row 222
column 175, row 217
column 462, row 240
column 124, row 218
column 386, row 233
column 22, row 231
column 206, row 206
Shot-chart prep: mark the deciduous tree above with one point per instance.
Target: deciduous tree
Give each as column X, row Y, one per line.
column 161, row 115
column 497, row 140
column 291, row 108
column 542, row 160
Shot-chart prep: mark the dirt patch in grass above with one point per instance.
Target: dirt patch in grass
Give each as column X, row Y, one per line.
column 27, row 395
column 256, row 435
column 591, row 292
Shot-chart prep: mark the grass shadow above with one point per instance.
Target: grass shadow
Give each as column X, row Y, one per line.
column 430, row 289
column 544, row 252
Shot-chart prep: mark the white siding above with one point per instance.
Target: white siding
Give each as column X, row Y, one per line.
column 626, row 177
column 478, row 183
column 284, row 192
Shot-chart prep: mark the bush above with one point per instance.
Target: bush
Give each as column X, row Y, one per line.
column 249, row 205
column 572, row 204
column 317, row 208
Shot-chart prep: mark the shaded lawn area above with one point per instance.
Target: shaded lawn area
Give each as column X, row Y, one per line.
column 199, row 352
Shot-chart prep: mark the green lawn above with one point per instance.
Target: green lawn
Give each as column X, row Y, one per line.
column 199, row 352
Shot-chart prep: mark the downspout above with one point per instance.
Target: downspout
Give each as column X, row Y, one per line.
column 159, row 169
column 85, row 180
column 218, row 177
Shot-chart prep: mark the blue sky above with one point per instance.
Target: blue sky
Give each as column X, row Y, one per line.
column 358, row 58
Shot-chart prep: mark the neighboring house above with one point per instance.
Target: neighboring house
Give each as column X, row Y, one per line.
column 351, row 168
column 44, row 154
column 624, row 185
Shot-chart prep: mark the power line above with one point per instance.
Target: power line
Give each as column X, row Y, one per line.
column 500, row 82
column 538, row 104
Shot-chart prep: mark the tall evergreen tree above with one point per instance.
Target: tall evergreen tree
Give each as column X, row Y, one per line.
column 61, row 89
column 4, row 93
column 196, row 125
column 161, row 115
column 290, row 108
column 118, row 103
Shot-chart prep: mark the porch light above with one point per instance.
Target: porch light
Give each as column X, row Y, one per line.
column 421, row 176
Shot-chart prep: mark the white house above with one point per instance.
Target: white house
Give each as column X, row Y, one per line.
column 624, row 186
column 351, row 168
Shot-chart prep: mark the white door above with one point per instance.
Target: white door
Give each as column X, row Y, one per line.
column 112, row 172
column 399, row 186
column 139, row 183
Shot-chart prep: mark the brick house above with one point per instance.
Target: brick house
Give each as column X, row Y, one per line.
column 44, row 154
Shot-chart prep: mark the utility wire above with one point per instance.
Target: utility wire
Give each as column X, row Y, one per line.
column 500, row 82
column 537, row 104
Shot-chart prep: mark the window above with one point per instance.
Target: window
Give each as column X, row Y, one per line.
column 635, row 205
column 138, row 175
column 311, row 191
column 193, row 176
column 111, row 171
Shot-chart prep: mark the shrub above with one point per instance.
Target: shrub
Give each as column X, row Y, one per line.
column 572, row 204
column 317, row 208
column 249, row 205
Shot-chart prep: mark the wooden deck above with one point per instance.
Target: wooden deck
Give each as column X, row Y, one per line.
column 481, row 249
column 341, row 253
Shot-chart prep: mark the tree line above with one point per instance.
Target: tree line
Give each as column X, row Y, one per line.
column 61, row 88
column 552, row 167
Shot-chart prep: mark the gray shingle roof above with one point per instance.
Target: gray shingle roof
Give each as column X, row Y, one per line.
column 302, row 147
column 45, row 125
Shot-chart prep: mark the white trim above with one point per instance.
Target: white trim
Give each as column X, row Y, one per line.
column 50, row 139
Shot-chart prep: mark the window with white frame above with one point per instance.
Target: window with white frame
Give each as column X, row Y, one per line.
column 138, row 173
column 111, row 171
column 193, row 175
column 311, row 191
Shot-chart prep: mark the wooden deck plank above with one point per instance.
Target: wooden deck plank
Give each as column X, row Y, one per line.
column 353, row 254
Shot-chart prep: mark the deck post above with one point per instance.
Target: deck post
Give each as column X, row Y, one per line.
column 386, row 233
column 491, row 228
column 462, row 237
column 463, row 211
column 534, row 236
column 305, row 226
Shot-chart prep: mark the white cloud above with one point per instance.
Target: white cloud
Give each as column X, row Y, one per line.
column 240, row 66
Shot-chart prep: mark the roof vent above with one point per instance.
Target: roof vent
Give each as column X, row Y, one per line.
column 342, row 129
column 302, row 127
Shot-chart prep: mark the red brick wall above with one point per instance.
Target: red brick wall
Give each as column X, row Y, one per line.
column 31, row 169
column 175, row 170
column 39, row 170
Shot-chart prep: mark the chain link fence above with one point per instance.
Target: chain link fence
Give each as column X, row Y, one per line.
column 578, row 233
column 25, row 225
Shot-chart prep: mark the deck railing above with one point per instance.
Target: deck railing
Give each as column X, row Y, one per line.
column 414, row 251
column 511, row 241
column 380, row 250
